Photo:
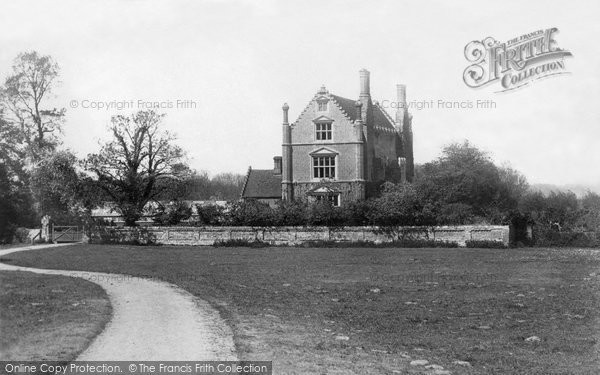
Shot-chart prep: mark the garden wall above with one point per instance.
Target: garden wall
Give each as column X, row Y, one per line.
column 299, row 235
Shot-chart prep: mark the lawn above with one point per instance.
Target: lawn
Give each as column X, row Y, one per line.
column 48, row 317
column 11, row 246
column 373, row 311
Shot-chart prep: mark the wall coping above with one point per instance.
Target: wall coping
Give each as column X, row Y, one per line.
column 208, row 235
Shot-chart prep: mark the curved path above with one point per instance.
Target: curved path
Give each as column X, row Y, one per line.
column 151, row 320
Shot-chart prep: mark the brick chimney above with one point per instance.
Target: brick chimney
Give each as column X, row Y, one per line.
column 401, row 93
column 287, row 189
column 401, row 107
column 365, row 85
column 365, row 96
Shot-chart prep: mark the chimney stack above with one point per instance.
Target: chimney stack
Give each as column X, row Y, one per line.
column 287, row 193
column 365, row 89
column 360, row 146
column 401, row 94
column 367, row 122
column 401, row 107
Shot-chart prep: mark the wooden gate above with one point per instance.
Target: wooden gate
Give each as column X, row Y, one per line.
column 66, row 234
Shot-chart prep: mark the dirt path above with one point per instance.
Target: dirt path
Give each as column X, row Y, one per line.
column 151, row 320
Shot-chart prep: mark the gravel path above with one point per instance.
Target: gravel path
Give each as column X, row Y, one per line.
column 151, row 320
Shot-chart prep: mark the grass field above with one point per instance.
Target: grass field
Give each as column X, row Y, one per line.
column 10, row 246
column 373, row 311
column 48, row 317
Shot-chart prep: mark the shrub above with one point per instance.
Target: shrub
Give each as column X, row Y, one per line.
column 397, row 205
column 547, row 237
column 7, row 232
column 403, row 243
column 340, row 244
column 485, row 244
column 172, row 214
column 421, row 243
column 292, row 213
column 456, row 214
column 250, row 213
column 357, row 213
column 324, row 213
column 210, row 214
column 239, row 242
column 21, row 235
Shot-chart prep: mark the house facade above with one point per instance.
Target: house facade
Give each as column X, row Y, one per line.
column 338, row 149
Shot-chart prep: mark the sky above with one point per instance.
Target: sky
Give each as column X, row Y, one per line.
column 226, row 68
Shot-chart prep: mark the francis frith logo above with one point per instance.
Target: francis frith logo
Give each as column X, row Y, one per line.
column 515, row 63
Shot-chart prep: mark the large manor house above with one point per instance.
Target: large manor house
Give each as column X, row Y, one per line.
column 338, row 149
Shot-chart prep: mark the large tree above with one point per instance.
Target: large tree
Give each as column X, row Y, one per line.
column 464, row 185
column 139, row 164
column 15, row 198
column 25, row 95
column 12, row 151
column 61, row 190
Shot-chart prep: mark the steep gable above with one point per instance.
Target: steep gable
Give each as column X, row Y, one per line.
column 382, row 118
column 347, row 106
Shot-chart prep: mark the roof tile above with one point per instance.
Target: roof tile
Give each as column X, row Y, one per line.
column 262, row 183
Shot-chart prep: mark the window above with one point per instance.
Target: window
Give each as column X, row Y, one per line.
column 333, row 199
column 324, row 166
column 323, row 131
column 322, row 106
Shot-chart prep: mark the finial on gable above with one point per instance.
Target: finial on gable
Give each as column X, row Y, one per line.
column 358, row 105
column 323, row 90
column 285, row 108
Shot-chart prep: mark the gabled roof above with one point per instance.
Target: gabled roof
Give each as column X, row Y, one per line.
column 347, row 105
column 380, row 117
column 262, row 183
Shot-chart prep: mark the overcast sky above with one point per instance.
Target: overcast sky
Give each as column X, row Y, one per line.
column 239, row 61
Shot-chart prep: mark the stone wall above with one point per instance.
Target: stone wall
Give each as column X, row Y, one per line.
column 298, row 235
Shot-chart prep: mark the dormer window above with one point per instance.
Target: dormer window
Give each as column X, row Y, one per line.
column 322, row 103
column 323, row 131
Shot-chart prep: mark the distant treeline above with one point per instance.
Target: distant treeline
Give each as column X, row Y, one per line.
column 220, row 187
